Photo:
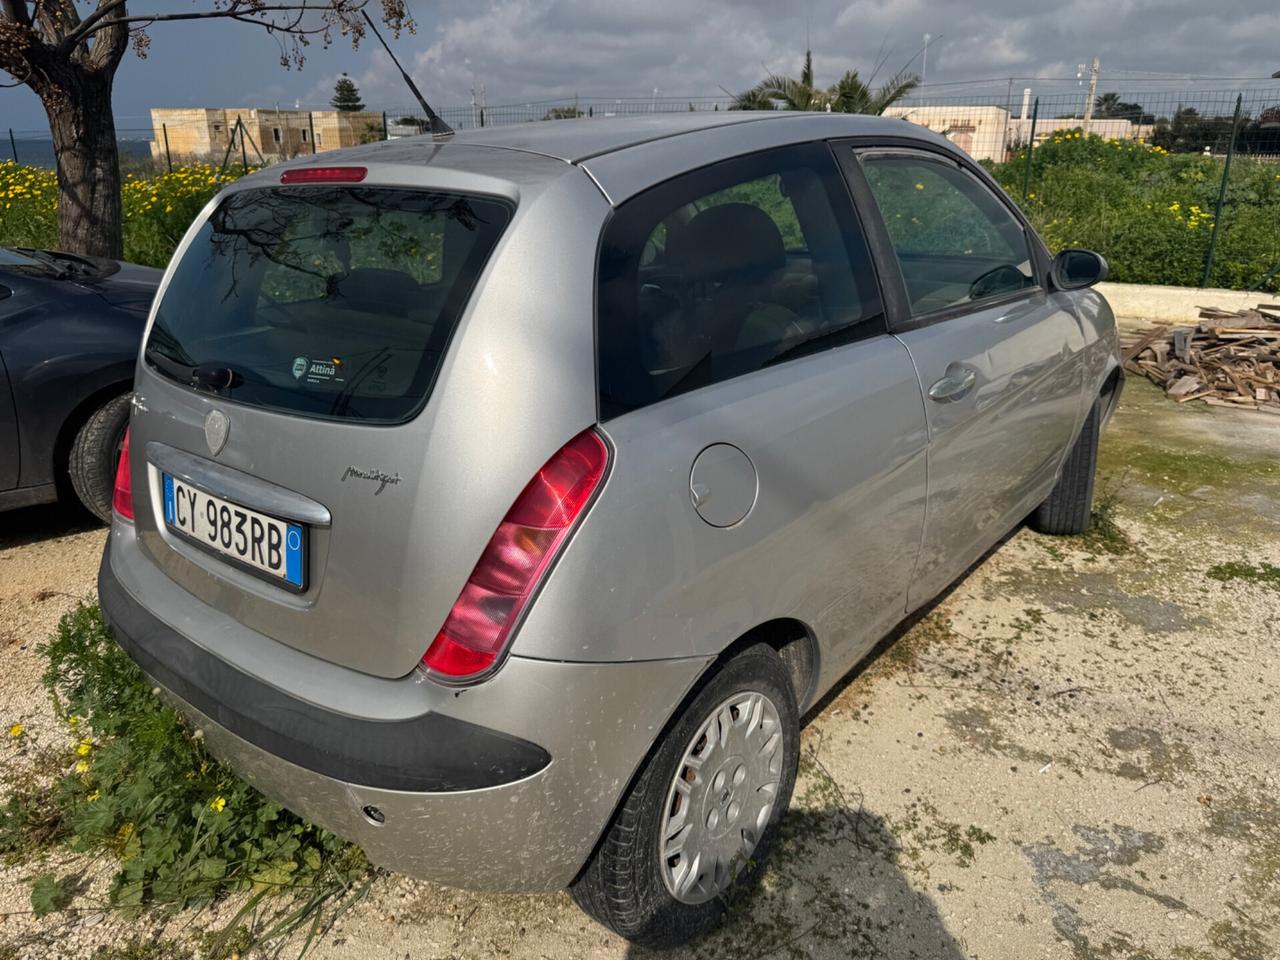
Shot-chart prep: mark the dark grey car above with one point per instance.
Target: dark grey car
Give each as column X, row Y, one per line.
column 501, row 503
column 70, row 329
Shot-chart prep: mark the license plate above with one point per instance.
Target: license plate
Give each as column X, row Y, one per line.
column 262, row 543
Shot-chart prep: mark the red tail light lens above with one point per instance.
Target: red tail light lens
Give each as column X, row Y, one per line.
column 122, row 495
column 518, row 554
column 324, row 175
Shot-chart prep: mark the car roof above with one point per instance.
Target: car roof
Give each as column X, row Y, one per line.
column 623, row 155
column 583, row 138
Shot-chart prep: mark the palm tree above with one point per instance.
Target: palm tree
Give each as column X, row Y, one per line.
column 850, row 94
column 1107, row 105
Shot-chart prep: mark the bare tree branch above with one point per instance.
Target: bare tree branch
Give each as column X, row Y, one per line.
column 244, row 12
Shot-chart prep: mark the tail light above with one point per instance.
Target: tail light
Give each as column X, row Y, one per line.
column 122, row 495
column 515, row 560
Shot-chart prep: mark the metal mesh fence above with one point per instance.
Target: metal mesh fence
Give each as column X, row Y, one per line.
column 995, row 128
column 992, row 127
column 213, row 135
column 1194, row 219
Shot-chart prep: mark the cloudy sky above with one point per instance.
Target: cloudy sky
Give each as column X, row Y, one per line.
column 534, row 49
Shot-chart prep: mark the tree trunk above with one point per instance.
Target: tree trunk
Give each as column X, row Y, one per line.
column 84, row 142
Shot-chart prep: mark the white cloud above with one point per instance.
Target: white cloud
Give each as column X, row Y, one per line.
column 525, row 50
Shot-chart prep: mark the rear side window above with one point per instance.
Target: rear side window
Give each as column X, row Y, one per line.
column 333, row 302
column 727, row 270
column 955, row 242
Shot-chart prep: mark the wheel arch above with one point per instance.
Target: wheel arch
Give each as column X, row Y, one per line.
column 795, row 644
column 797, row 647
column 1109, row 393
column 74, row 421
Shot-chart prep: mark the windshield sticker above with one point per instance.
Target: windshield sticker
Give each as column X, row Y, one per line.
column 318, row 371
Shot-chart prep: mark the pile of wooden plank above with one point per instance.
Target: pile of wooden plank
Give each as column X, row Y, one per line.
column 1229, row 359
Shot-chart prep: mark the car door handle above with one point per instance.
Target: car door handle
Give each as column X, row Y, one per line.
column 951, row 388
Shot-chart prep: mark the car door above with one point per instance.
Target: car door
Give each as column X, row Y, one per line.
column 766, row 424
column 997, row 354
column 9, row 462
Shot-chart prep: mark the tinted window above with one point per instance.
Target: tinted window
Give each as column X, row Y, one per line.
column 326, row 301
column 956, row 243
column 727, row 270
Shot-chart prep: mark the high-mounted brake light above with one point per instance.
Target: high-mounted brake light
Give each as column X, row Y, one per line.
column 518, row 555
column 122, row 494
column 324, row 175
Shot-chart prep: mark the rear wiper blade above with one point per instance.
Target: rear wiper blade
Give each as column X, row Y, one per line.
column 215, row 376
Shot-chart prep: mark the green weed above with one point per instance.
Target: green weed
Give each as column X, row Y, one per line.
column 1264, row 573
column 180, row 829
column 1104, row 534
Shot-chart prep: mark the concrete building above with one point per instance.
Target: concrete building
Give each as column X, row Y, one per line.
column 206, row 132
column 990, row 133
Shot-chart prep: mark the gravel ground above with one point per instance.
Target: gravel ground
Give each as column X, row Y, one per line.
column 1072, row 755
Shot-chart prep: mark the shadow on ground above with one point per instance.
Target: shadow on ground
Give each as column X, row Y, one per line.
column 47, row 522
column 833, row 889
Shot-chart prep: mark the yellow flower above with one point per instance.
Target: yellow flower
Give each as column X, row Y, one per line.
column 17, row 728
column 94, row 796
column 73, row 721
column 82, row 766
column 218, row 804
column 84, row 748
column 1031, row 196
column 919, row 186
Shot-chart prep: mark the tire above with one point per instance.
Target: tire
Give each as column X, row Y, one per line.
column 96, row 452
column 1069, row 508
column 627, row 885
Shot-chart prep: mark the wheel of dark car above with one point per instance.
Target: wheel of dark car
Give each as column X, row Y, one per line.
column 1069, row 508
column 700, row 818
column 96, row 452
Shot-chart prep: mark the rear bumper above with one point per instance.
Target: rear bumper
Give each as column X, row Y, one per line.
column 464, row 798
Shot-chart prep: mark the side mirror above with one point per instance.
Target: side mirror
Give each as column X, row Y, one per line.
column 1075, row 269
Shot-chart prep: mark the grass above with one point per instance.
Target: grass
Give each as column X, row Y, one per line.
column 134, row 790
column 1104, row 534
column 1264, row 573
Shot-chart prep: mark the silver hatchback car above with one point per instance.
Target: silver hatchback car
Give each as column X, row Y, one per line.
column 501, row 503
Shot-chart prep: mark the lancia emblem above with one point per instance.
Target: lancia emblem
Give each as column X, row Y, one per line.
column 216, row 428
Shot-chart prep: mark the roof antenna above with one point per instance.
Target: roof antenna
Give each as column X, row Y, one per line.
column 437, row 126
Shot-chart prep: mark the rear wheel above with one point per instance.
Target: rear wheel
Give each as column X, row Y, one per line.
column 699, row 821
column 1069, row 508
column 95, row 454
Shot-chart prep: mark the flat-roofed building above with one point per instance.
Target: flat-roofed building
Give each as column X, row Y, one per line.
column 207, row 132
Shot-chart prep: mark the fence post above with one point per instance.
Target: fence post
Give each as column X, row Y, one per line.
column 244, row 153
column 386, row 135
column 311, row 122
column 1222, row 192
column 482, row 116
column 13, row 145
column 1031, row 149
column 164, row 128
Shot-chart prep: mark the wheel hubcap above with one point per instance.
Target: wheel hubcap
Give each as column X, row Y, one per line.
column 722, row 797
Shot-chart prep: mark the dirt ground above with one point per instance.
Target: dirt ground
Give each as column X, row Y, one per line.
column 1073, row 755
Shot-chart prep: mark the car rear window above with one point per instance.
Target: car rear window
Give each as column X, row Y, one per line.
column 334, row 302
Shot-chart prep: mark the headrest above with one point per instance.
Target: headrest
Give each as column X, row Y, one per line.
column 726, row 240
column 375, row 288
